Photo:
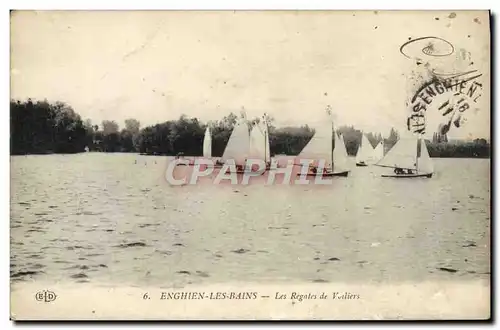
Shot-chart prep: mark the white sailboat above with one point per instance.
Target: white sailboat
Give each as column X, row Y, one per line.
column 365, row 154
column 320, row 147
column 403, row 156
column 259, row 143
column 207, row 144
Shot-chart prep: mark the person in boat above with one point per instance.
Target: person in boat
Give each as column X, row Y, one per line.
column 411, row 171
column 398, row 170
column 239, row 168
column 313, row 169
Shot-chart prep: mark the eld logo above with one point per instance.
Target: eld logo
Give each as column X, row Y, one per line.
column 45, row 296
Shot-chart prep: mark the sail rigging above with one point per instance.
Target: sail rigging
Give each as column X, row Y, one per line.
column 267, row 145
column 378, row 152
column 259, row 142
column 320, row 146
column 365, row 152
column 237, row 148
column 340, row 157
column 402, row 155
column 424, row 164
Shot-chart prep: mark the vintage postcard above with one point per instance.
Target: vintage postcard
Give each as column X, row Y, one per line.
column 250, row 165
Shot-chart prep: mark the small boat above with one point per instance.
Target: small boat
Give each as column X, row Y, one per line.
column 365, row 154
column 320, row 147
column 242, row 170
column 218, row 164
column 404, row 156
column 179, row 156
column 323, row 175
column 406, row 175
column 326, row 174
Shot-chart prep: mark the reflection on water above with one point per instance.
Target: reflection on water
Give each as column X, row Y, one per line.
column 112, row 218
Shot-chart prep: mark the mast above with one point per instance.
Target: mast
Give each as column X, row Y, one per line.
column 331, row 150
column 265, row 139
column 360, row 150
column 265, row 147
column 416, row 154
column 332, row 137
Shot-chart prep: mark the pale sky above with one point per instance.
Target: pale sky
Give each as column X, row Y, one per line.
column 156, row 65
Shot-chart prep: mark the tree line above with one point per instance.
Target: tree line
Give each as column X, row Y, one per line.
column 40, row 127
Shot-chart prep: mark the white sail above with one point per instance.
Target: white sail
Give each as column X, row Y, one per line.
column 424, row 164
column 378, row 153
column 320, row 146
column 365, row 151
column 403, row 154
column 207, row 144
column 237, row 148
column 267, row 144
column 340, row 157
column 258, row 143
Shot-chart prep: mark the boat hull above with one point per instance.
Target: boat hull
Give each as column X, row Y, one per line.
column 344, row 174
column 268, row 168
column 407, row 176
column 361, row 164
column 244, row 172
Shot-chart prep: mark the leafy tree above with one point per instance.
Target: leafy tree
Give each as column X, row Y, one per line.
column 43, row 127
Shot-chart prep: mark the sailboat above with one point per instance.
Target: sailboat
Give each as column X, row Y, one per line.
column 207, row 148
column 238, row 146
column 320, row 147
column 365, row 154
column 259, row 143
column 403, row 156
column 207, row 145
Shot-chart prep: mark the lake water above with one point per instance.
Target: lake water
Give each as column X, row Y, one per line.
column 113, row 219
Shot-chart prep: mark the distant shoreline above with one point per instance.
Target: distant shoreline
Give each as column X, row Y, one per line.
column 194, row 156
column 45, row 128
